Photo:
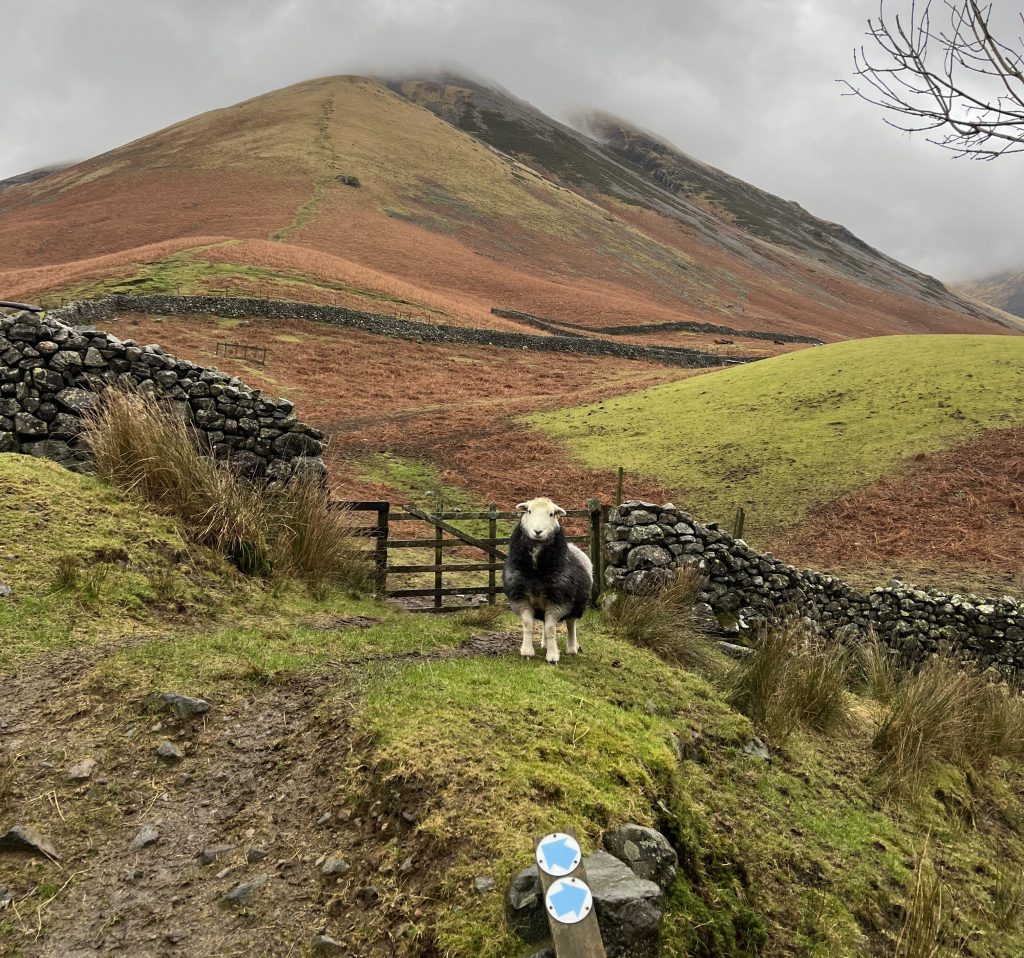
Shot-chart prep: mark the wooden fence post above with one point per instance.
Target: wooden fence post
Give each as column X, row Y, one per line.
column 737, row 525
column 595, row 548
column 381, row 550
column 438, row 558
column 492, row 533
column 618, row 487
column 572, row 935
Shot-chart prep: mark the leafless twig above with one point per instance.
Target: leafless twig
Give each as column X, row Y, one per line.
column 954, row 77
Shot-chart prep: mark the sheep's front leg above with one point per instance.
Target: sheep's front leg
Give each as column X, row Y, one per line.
column 572, row 647
column 551, row 636
column 526, row 649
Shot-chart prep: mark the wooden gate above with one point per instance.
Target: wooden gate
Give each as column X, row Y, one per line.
column 453, row 555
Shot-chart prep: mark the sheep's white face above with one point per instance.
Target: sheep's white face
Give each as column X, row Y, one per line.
column 539, row 518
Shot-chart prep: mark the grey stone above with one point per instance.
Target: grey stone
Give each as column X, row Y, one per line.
column 524, row 906
column 756, row 748
column 66, row 361
column 255, row 854
column 639, row 535
column 169, row 752
column 646, row 581
column 147, row 835
column 23, row 840
column 628, row 908
column 648, row 557
column 77, row 400
column 5, row 591
column 25, row 424
column 484, row 883
column 183, row 706
column 641, row 517
column 368, row 895
column 646, row 851
column 325, row 946
column 209, row 855
column 240, row 894
column 335, row 865
column 82, row 770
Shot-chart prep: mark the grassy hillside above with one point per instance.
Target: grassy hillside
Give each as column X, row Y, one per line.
column 784, row 434
column 347, row 728
column 1005, row 291
column 343, row 190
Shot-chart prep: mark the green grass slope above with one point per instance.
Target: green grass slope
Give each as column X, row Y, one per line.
column 784, row 434
column 382, row 716
column 85, row 562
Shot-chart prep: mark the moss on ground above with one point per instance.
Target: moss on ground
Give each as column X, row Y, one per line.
column 782, row 435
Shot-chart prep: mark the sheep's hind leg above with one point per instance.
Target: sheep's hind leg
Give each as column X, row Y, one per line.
column 551, row 637
column 526, row 649
column 572, row 647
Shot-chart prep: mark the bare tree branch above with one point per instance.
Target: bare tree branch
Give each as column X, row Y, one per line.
column 957, row 77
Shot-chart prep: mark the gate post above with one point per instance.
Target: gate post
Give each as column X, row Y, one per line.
column 380, row 552
column 594, row 507
column 438, row 558
column 492, row 576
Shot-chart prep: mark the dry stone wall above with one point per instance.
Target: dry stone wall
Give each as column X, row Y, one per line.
column 644, row 543
column 51, row 373
column 97, row 310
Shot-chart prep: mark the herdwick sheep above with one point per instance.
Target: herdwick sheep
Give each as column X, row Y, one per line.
column 546, row 577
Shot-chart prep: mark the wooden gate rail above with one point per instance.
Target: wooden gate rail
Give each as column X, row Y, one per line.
column 448, row 536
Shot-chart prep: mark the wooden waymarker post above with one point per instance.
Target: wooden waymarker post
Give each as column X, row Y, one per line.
column 568, row 902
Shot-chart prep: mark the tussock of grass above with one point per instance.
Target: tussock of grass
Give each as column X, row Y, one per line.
column 921, row 933
column 946, row 714
column 482, row 617
column 151, row 450
column 876, row 669
column 313, row 542
column 792, row 681
column 664, row 623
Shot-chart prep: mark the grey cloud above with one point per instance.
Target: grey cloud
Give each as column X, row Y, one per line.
column 749, row 86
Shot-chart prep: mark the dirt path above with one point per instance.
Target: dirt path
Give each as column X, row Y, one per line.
column 261, row 789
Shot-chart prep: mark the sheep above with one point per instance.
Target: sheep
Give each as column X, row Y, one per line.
column 546, row 577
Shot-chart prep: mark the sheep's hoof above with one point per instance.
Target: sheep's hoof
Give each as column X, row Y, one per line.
column 552, row 661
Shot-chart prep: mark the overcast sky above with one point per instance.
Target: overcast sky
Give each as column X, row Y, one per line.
column 746, row 85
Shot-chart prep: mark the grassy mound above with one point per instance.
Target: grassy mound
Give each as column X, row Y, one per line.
column 84, row 561
column 804, row 855
column 784, row 434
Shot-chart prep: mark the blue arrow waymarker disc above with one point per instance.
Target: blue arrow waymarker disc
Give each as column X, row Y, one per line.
column 558, row 854
column 569, row 900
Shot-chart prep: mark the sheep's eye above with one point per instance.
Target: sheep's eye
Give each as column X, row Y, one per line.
column 552, row 515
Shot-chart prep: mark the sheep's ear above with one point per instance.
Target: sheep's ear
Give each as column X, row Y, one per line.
column 559, row 511
column 523, row 507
